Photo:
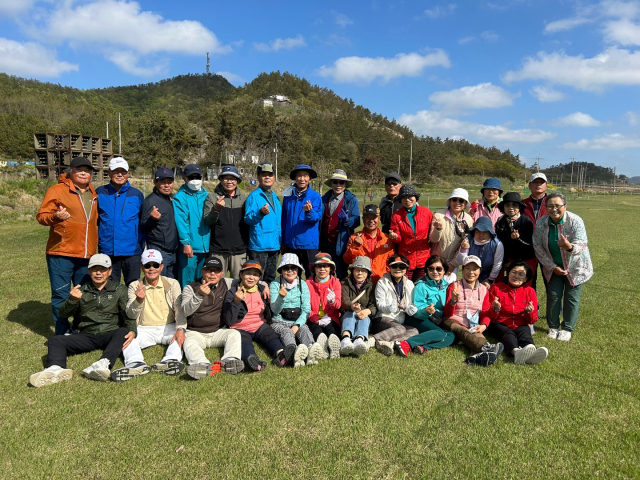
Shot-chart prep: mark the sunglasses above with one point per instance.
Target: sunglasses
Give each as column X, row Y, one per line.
column 289, row 268
column 398, row 267
column 435, row 269
column 393, row 184
column 338, row 182
column 195, row 177
column 149, row 265
column 457, row 200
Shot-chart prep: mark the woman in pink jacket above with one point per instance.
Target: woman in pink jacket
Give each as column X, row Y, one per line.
column 325, row 293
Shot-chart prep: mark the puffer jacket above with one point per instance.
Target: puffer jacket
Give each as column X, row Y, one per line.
column 425, row 293
column 445, row 242
column 172, row 292
column 119, row 230
column 300, row 229
column 350, row 206
column 188, row 206
column 379, row 256
column 387, row 301
column 265, row 231
column 513, row 301
column 578, row 261
column 229, row 233
column 413, row 245
column 76, row 236
column 349, row 293
column 318, row 296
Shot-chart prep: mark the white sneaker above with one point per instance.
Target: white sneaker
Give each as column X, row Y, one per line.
column 334, row 346
column 564, row 335
column 98, row 370
column 50, row 375
column 324, row 345
column 533, row 330
column 553, row 333
column 372, row 342
column 523, row 354
column 315, row 354
column 360, row 347
column 302, row 352
column 538, row 356
column 346, row 347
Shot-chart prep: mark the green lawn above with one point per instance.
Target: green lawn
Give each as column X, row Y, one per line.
column 577, row 415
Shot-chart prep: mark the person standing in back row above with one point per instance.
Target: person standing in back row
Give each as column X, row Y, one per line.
column 487, row 206
column 224, row 212
column 119, row 233
column 194, row 234
column 158, row 222
column 390, row 202
column 536, row 207
column 263, row 214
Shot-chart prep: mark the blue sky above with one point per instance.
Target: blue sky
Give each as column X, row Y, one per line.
column 549, row 79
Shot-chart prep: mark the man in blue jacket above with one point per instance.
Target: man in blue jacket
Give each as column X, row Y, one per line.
column 194, row 234
column 158, row 220
column 301, row 214
column 263, row 214
column 119, row 233
column 340, row 217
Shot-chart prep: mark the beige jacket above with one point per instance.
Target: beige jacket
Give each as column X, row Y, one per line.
column 445, row 242
column 172, row 293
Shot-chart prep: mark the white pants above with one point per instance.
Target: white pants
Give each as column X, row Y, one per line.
column 149, row 336
column 196, row 342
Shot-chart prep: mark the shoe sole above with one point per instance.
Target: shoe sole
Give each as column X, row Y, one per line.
column 384, row 349
column 499, row 349
column 334, row 347
column 538, row 356
column 125, row 374
column 301, row 354
column 315, row 354
column 360, row 349
column 525, row 354
column 256, row 364
column 322, row 341
column 170, row 369
column 401, row 352
column 97, row 375
column 42, row 379
column 483, row 359
column 198, row 371
column 289, row 352
column 233, row 366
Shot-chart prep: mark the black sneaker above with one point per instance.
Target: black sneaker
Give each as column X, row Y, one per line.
column 132, row 371
column 289, row 352
column 168, row 367
column 280, row 360
column 255, row 363
column 232, row 365
column 496, row 348
column 482, row 359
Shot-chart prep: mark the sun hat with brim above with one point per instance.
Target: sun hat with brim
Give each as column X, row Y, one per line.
column 251, row 264
column 512, row 197
column 302, row 166
column 458, row 193
column 361, row 262
column 492, row 183
column 339, row 175
column 484, row 225
column 408, row 191
column 290, row 259
column 323, row 259
column 472, row 259
column 398, row 259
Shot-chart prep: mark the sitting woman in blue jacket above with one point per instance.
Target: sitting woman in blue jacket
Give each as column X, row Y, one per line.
column 484, row 244
column 429, row 297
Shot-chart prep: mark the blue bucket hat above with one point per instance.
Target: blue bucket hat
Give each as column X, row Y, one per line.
column 230, row 170
column 302, row 166
column 492, row 183
column 484, row 225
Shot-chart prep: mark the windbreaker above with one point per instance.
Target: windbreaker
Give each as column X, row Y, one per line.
column 513, row 301
column 119, row 230
column 265, row 231
column 300, row 229
column 188, row 206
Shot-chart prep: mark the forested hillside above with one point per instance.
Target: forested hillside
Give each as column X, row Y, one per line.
column 204, row 118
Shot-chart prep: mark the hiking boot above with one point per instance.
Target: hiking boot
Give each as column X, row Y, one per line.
column 126, row 373
column 403, row 348
column 360, row 347
column 168, row 367
column 334, row 346
column 538, row 356
column 346, row 347
column 201, row 370
column 482, row 359
column 323, row 342
column 301, row 354
column 315, row 354
column 255, row 363
column 385, row 348
column 50, row 375
column 232, row 365
column 523, row 354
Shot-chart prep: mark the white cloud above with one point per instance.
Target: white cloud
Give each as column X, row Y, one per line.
column 632, row 118
column 11, row 8
column 612, row 67
column 484, row 95
column 128, row 62
column 232, row 77
column 546, row 94
column 341, row 19
column 31, row 59
column 565, row 24
column 432, row 123
column 489, row 36
column 613, row 141
column 623, row 32
column 620, row 9
column 465, row 40
column 440, row 11
column 364, row 70
column 577, row 119
column 281, row 44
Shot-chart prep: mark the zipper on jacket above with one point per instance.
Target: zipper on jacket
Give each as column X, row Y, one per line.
column 86, row 230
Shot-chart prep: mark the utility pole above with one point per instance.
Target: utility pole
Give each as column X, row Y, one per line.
column 107, row 129
column 276, row 151
column 410, row 160
column 119, row 136
column 538, row 162
column 572, row 161
column 614, row 180
column 398, row 164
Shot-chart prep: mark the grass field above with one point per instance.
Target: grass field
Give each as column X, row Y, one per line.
column 577, row 415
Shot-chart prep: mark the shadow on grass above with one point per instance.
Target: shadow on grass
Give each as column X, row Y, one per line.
column 36, row 316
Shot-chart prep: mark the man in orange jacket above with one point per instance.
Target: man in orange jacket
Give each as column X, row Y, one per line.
column 370, row 242
column 70, row 210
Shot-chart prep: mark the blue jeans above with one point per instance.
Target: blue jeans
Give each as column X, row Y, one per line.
column 63, row 272
column 190, row 268
column 168, row 260
column 355, row 326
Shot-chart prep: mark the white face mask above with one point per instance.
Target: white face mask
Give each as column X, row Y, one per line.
column 195, row 185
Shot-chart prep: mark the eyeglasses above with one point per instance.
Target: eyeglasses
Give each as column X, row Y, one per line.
column 289, row 268
column 457, row 200
column 398, row 267
column 516, row 273
column 320, row 265
column 392, row 184
column 149, row 265
column 556, row 207
column 338, row 182
column 435, row 269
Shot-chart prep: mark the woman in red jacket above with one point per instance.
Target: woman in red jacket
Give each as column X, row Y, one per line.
column 325, row 292
column 512, row 307
column 410, row 230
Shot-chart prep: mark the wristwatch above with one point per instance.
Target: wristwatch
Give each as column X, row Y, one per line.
column 183, row 330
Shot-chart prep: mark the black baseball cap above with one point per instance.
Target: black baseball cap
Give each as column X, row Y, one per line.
column 371, row 210
column 81, row 162
column 212, row 262
column 393, row 176
column 191, row 169
column 164, row 172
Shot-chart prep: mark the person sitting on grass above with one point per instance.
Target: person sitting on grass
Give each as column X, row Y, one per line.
column 393, row 298
column 99, row 308
column 153, row 302
column 483, row 243
column 512, row 308
column 291, row 307
column 429, row 296
column 326, row 298
column 201, row 304
column 359, row 306
column 466, row 299
column 247, row 312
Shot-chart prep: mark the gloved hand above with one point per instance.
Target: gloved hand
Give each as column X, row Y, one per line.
column 324, row 321
column 344, row 218
column 331, row 296
column 411, row 310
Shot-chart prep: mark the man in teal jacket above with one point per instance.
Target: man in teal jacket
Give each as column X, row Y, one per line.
column 193, row 232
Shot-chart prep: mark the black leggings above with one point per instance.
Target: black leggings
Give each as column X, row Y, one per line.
column 265, row 336
column 332, row 329
column 511, row 339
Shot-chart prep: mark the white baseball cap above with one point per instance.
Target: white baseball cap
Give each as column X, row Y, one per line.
column 537, row 175
column 100, row 259
column 472, row 259
column 151, row 256
column 118, row 162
